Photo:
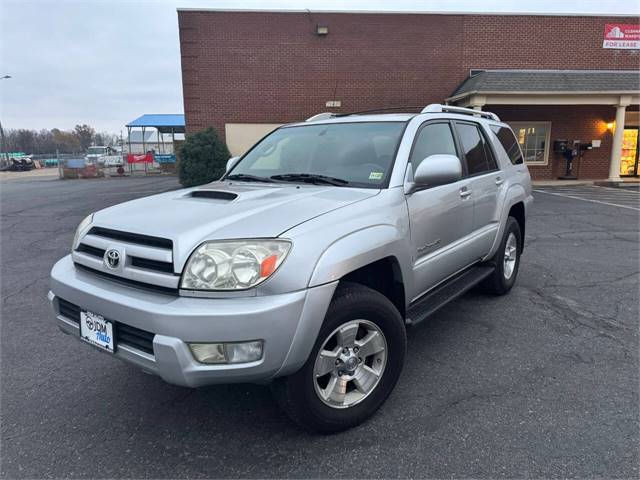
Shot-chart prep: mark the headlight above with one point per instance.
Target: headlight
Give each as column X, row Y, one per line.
column 84, row 224
column 233, row 265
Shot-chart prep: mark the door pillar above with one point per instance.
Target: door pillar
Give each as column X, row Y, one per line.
column 616, row 147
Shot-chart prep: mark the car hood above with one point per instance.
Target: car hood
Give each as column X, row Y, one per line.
column 226, row 210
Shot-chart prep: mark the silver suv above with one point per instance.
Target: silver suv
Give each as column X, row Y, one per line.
column 303, row 266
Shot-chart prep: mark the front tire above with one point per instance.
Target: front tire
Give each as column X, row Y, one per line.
column 353, row 366
column 506, row 260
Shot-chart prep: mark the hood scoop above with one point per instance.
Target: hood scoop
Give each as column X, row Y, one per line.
column 214, row 195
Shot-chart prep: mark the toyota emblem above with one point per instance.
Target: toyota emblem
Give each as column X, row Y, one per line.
column 112, row 258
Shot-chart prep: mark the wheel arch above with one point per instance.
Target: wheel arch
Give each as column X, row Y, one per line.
column 515, row 198
column 517, row 211
column 371, row 257
column 383, row 276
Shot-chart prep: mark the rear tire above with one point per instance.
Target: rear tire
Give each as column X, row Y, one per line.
column 363, row 334
column 506, row 260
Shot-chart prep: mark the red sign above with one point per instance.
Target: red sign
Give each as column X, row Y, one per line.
column 621, row 36
column 140, row 158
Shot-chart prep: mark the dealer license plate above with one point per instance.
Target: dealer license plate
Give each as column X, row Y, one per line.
column 94, row 329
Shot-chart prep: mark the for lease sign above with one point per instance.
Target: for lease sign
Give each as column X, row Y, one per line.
column 621, row 36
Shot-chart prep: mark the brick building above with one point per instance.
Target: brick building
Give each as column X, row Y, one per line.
column 551, row 77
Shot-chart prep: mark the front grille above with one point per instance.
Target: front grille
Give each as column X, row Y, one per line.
column 69, row 311
column 149, row 264
column 139, row 262
column 124, row 334
column 145, row 261
column 134, row 337
column 132, row 237
column 89, row 250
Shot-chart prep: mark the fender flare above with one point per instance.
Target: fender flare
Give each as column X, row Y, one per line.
column 515, row 194
column 356, row 250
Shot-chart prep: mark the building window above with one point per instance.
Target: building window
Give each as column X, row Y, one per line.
column 533, row 138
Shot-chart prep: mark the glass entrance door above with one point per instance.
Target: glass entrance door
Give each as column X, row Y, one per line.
column 629, row 162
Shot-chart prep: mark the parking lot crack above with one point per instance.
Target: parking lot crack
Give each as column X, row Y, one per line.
column 19, row 291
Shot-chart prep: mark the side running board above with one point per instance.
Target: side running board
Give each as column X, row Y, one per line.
column 444, row 293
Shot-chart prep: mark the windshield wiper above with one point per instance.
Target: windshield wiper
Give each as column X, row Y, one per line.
column 310, row 178
column 247, row 178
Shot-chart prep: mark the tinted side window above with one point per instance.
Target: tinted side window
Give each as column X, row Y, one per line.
column 509, row 143
column 474, row 149
column 433, row 139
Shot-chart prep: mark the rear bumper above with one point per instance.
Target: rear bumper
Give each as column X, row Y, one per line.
column 288, row 324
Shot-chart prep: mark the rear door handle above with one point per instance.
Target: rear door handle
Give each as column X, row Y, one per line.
column 499, row 180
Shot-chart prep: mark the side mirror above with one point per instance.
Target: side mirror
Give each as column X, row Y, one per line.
column 438, row 170
column 231, row 162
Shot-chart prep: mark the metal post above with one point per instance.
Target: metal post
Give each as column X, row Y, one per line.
column 129, row 142
column 4, row 145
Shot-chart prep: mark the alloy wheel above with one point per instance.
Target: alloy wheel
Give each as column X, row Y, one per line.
column 510, row 256
column 350, row 363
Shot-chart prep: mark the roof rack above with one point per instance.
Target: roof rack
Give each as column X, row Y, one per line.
column 326, row 115
column 437, row 108
column 321, row 116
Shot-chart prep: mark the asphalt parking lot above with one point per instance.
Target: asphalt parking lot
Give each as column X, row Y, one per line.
column 540, row 383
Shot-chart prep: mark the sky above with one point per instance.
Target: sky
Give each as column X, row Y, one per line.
column 104, row 63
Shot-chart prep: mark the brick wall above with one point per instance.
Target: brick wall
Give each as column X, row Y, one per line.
column 582, row 122
column 273, row 68
column 543, row 42
column 258, row 67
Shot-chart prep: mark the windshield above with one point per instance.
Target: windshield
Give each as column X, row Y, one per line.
column 97, row 150
column 359, row 153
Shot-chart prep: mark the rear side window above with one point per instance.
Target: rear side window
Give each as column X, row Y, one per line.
column 477, row 152
column 509, row 142
column 434, row 138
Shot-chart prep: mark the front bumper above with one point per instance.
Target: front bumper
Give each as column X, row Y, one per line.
column 288, row 324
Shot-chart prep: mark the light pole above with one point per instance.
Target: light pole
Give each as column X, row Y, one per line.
column 6, row 154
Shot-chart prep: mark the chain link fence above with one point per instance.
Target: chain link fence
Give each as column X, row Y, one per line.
column 88, row 166
column 76, row 166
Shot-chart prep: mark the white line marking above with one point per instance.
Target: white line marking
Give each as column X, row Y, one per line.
column 587, row 200
column 619, row 189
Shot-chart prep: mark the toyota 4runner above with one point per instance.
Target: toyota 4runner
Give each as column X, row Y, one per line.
column 303, row 266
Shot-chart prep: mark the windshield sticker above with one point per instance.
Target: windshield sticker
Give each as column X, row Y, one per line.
column 376, row 176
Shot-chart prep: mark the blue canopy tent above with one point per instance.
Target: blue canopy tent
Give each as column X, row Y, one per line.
column 164, row 123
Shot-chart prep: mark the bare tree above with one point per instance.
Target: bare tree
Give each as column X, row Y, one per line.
column 85, row 135
column 48, row 141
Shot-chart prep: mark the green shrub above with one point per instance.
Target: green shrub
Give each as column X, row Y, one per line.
column 203, row 158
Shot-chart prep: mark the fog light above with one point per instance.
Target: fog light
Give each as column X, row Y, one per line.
column 243, row 352
column 208, row 352
column 227, row 352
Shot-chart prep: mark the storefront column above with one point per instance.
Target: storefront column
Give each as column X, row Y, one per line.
column 616, row 147
column 477, row 102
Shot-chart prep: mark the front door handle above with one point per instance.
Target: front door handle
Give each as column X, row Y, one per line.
column 465, row 192
column 499, row 180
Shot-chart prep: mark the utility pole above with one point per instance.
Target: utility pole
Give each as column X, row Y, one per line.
column 4, row 144
column 3, row 147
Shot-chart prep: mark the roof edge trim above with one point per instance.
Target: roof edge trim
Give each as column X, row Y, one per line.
column 409, row 12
